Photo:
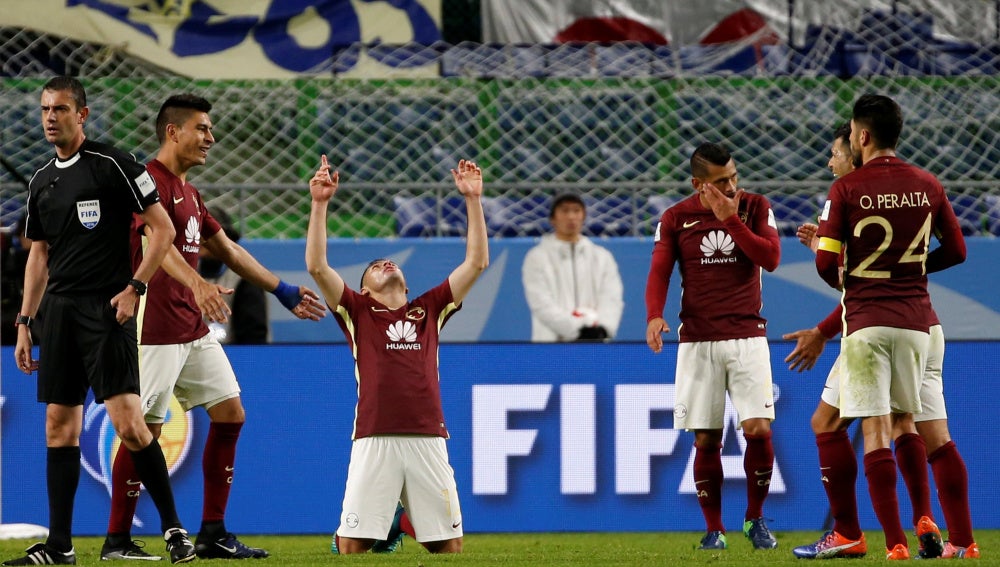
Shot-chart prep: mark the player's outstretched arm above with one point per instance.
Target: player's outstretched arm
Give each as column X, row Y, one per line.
column 806, row 233
column 469, row 180
column 322, row 188
column 300, row 300
column 207, row 296
column 809, row 344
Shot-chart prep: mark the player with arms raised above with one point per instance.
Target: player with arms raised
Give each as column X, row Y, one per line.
column 721, row 237
column 399, row 450
column 882, row 217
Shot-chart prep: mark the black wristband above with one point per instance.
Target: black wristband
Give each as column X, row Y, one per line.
column 140, row 288
column 23, row 320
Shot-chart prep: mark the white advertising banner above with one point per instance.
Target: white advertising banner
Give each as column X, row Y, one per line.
column 245, row 39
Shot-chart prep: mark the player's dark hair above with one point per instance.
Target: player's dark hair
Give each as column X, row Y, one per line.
column 176, row 109
column 708, row 153
column 843, row 133
column 881, row 116
column 71, row 84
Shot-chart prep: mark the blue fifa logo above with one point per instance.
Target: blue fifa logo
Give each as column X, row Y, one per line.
column 99, row 444
column 89, row 213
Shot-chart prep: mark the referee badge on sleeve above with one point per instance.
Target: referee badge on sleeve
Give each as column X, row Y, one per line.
column 89, row 213
column 145, row 184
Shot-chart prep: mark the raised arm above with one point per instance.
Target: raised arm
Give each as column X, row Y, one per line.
column 469, row 180
column 322, row 187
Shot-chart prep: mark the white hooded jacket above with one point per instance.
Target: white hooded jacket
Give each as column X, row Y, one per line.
column 561, row 277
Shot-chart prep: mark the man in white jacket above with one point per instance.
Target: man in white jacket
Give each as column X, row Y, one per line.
column 572, row 285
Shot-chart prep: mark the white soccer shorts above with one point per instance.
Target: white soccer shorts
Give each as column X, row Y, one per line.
column 198, row 373
column 931, row 388
column 707, row 370
column 413, row 469
column 882, row 371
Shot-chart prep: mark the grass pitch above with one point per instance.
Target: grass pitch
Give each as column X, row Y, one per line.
column 534, row 550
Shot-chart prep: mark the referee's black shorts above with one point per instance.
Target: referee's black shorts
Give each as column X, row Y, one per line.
column 83, row 346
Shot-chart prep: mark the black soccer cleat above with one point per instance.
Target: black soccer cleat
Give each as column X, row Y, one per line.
column 131, row 550
column 179, row 546
column 227, row 547
column 42, row 554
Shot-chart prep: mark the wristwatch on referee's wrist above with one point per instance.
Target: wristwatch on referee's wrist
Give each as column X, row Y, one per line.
column 140, row 288
column 23, row 320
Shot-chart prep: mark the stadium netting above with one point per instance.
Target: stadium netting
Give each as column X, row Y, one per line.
column 613, row 122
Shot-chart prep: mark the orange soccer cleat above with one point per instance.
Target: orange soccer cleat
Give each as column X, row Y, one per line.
column 831, row 545
column 929, row 536
column 952, row 552
column 897, row 553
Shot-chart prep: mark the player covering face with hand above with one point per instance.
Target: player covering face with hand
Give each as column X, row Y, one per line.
column 722, row 237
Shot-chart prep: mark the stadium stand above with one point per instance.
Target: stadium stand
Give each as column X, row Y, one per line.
column 992, row 216
column 614, row 121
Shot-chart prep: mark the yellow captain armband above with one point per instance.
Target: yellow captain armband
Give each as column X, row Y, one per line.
column 830, row 245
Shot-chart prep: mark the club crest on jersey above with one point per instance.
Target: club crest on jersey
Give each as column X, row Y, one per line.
column 416, row 314
column 89, row 213
column 403, row 335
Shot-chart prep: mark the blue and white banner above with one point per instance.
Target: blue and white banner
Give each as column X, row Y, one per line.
column 544, row 438
column 244, row 39
column 687, row 23
column 646, row 21
column 496, row 310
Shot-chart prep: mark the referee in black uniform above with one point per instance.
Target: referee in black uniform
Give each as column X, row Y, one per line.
column 80, row 207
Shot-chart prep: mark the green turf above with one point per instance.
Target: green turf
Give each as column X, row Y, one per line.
column 583, row 549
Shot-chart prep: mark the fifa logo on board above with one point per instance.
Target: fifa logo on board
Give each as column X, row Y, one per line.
column 99, row 444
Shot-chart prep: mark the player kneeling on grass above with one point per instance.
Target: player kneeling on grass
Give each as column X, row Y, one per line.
column 399, row 451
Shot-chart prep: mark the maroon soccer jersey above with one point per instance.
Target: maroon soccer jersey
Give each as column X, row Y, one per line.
column 396, row 361
column 171, row 315
column 885, row 213
column 720, row 263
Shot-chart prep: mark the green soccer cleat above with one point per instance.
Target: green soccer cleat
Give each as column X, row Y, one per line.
column 713, row 540
column 758, row 534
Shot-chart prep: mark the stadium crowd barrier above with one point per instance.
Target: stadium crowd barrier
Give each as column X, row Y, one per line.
column 570, row 437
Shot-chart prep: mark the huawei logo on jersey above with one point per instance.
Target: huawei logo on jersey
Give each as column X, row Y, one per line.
column 717, row 241
column 403, row 334
column 192, row 233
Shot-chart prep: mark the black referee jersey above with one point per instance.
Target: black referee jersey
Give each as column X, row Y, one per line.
column 82, row 206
